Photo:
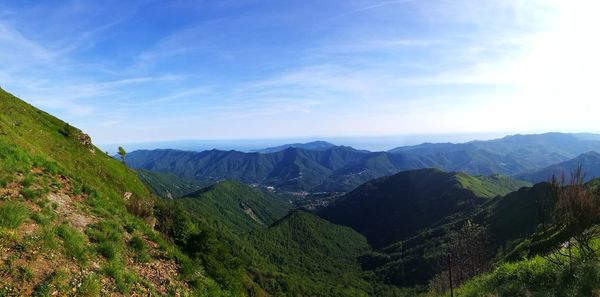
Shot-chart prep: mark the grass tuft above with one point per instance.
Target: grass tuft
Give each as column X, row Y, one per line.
column 13, row 214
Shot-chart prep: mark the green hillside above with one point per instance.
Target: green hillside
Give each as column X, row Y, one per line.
column 236, row 206
column 408, row 216
column 589, row 162
column 297, row 254
column 167, row 185
column 409, row 201
column 75, row 221
column 314, row 256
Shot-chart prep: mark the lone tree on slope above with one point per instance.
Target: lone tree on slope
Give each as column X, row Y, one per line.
column 122, row 153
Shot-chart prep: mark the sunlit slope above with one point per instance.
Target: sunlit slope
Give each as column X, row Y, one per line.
column 74, row 221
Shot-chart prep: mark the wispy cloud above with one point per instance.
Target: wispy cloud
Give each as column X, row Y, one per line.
column 372, row 6
column 245, row 69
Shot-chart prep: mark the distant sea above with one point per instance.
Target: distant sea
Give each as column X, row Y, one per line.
column 370, row 143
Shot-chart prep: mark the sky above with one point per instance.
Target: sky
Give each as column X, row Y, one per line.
column 144, row 71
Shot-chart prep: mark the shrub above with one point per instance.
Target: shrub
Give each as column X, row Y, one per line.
column 141, row 207
column 13, row 214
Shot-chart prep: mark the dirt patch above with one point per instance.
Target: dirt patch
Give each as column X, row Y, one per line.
column 67, row 210
column 161, row 273
column 12, row 190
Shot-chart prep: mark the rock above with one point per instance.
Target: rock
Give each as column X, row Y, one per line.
column 86, row 141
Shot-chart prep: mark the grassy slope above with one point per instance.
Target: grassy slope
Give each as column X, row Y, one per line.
column 65, row 188
column 525, row 269
column 536, row 276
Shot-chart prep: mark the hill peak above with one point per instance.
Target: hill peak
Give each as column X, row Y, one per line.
column 318, row 145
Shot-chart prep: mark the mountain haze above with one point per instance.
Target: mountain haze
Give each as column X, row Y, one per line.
column 318, row 145
column 341, row 169
column 589, row 162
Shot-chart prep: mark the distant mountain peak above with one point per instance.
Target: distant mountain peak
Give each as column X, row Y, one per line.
column 318, row 145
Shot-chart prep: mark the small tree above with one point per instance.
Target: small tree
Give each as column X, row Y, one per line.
column 122, row 153
column 577, row 209
column 467, row 254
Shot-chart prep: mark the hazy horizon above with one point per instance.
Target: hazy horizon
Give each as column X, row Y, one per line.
column 370, row 143
column 145, row 71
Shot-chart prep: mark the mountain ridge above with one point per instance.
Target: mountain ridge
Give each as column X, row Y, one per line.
column 589, row 162
column 341, row 169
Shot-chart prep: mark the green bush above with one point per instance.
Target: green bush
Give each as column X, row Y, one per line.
column 13, row 214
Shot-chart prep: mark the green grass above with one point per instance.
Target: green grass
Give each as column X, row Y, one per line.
column 124, row 279
column 139, row 248
column 13, row 214
column 108, row 239
column 74, row 242
column 537, row 276
column 90, row 286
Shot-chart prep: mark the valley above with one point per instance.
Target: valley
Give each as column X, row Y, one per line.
column 297, row 220
column 364, row 148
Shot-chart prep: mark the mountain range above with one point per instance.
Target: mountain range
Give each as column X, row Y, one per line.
column 76, row 222
column 589, row 163
column 318, row 145
column 341, row 169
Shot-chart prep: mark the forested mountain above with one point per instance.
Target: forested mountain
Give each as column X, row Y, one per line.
column 410, row 201
column 318, row 145
column 343, row 168
column 589, row 162
column 516, row 152
column 282, row 253
column 237, row 206
column 74, row 221
column 168, row 185
column 408, row 216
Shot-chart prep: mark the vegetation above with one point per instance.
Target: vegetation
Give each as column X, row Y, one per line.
column 568, row 265
column 74, row 221
column 341, row 169
column 122, row 153
column 237, row 206
column 13, row 214
column 54, row 184
column 589, row 162
column 167, row 185
column 412, row 200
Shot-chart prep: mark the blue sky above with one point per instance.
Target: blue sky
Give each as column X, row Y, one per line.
column 136, row 71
